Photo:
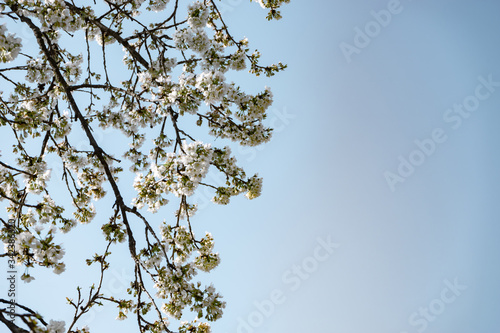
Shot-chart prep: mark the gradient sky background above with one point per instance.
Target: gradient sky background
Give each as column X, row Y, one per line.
column 340, row 126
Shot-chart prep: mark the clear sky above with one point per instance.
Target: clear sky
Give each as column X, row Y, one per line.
column 380, row 206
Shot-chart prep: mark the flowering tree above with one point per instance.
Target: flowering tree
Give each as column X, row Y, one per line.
column 66, row 85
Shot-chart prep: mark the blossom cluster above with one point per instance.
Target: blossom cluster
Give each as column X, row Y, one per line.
column 58, row 326
column 237, row 181
column 43, row 251
column 154, row 5
column 37, row 176
column 182, row 173
column 9, row 45
column 52, row 14
column 174, row 282
column 273, row 5
column 195, row 327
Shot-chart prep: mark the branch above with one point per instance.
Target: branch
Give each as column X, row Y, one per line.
column 11, row 326
column 112, row 33
column 15, row 169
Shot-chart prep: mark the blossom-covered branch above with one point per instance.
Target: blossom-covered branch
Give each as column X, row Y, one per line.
column 171, row 84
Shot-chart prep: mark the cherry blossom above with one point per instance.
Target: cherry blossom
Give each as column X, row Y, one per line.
column 171, row 109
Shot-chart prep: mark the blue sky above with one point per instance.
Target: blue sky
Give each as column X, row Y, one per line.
column 420, row 256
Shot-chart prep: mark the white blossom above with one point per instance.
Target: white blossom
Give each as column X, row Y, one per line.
column 56, row 326
column 9, row 45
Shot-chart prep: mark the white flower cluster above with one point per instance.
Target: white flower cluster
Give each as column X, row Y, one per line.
column 73, row 160
column 174, row 281
column 180, row 174
column 211, row 303
column 124, row 307
column 48, row 213
column 238, row 60
column 206, row 259
column 133, row 3
column 182, row 95
column 157, row 5
column 154, row 260
column 195, row 327
column 195, row 39
column 254, row 187
column 212, row 86
column 197, row 15
column 252, row 110
column 179, row 240
column 28, row 220
column 101, row 38
column 72, row 69
column 90, row 179
column 53, row 14
column 173, row 284
column 31, row 117
column 39, row 71
column 37, row 183
column 272, row 5
column 238, row 183
column 8, row 183
column 9, row 45
column 158, row 76
column 56, row 326
column 254, row 107
column 37, row 175
column 44, row 252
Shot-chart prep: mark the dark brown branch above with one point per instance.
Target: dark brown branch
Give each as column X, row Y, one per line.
column 15, row 169
column 11, row 326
